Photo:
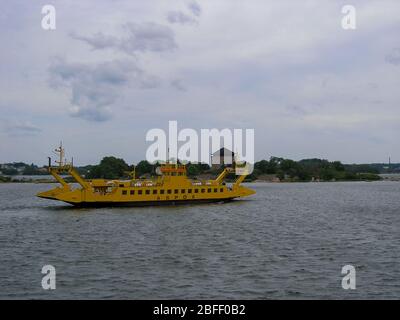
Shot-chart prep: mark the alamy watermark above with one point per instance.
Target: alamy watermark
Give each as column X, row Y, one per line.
column 349, row 21
column 49, row 280
column 186, row 146
column 349, row 279
column 49, row 18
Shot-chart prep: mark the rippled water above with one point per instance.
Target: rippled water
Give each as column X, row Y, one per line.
column 287, row 241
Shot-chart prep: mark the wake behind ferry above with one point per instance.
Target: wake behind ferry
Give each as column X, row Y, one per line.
column 172, row 186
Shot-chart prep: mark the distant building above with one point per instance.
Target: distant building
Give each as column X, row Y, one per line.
column 222, row 157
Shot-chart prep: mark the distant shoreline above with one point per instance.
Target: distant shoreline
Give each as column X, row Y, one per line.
column 260, row 179
column 274, row 170
column 394, row 178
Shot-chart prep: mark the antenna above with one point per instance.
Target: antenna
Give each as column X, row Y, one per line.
column 235, row 157
column 168, row 155
column 61, row 153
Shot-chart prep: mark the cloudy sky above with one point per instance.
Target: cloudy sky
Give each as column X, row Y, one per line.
column 112, row 70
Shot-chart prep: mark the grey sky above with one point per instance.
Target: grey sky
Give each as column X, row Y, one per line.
column 112, row 70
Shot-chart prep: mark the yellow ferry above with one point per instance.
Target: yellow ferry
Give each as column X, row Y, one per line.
column 171, row 187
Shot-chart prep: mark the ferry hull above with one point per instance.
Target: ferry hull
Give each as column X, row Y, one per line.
column 147, row 203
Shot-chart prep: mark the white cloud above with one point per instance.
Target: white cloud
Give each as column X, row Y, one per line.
column 20, row 128
column 139, row 38
column 195, row 8
column 180, row 17
column 96, row 87
column 394, row 57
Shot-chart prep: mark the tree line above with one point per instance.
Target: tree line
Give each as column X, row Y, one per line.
column 283, row 169
column 313, row 169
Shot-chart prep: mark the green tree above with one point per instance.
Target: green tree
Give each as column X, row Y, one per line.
column 193, row 169
column 31, row 170
column 338, row 166
column 9, row 171
column 204, row 167
column 143, row 167
column 109, row 168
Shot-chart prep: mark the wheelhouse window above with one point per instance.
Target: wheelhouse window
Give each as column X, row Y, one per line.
column 221, row 190
column 124, row 192
column 132, row 192
column 155, row 191
column 176, row 191
column 209, row 190
column 147, row 191
column 196, row 190
column 189, row 190
column 183, row 191
column 203, row 190
column 215, row 190
column 162, row 191
column 140, row 192
column 169, row 191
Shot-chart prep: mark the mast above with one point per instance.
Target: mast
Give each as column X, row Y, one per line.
column 61, row 152
column 168, row 155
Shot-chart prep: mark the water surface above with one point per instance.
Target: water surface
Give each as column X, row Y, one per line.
column 289, row 241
